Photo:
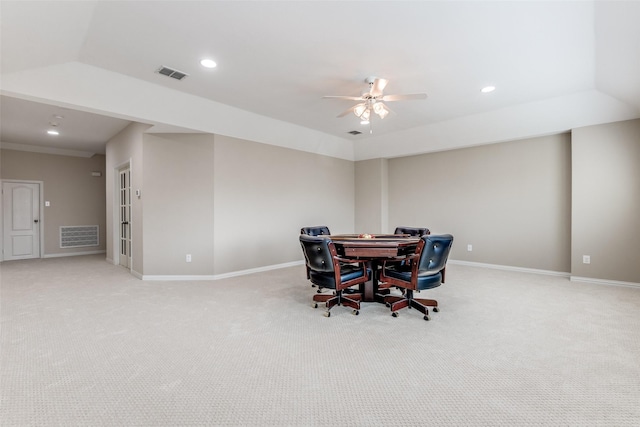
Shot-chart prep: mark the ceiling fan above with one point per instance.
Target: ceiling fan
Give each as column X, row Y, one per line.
column 372, row 100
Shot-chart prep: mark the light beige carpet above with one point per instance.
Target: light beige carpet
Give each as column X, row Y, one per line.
column 86, row 344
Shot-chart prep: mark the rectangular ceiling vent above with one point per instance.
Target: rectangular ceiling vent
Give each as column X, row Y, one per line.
column 170, row 72
column 355, row 132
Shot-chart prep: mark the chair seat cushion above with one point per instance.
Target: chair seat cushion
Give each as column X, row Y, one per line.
column 327, row 280
column 426, row 279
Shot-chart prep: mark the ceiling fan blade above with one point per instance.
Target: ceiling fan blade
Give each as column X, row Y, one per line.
column 378, row 86
column 406, row 97
column 350, row 98
column 350, row 110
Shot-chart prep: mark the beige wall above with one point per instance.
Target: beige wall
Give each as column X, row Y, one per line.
column 76, row 197
column 231, row 204
column 606, row 201
column 511, row 201
column 178, row 204
column 371, row 198
column 268, row 193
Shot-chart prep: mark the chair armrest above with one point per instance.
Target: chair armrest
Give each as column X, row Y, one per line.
column 400, row 259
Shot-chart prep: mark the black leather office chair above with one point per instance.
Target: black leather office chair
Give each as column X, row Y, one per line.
column 423, row 270
column 411, row 231
column 316, row 230
column 328, row 270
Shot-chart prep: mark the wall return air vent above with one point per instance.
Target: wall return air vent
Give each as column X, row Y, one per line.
column 170, row 72
column 78, row 236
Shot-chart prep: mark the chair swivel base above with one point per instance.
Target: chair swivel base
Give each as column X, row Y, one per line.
column 349, row 300
column 384, row 290
column 396, row 303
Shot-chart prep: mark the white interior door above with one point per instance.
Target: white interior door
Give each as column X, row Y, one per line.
column 125, row 218
column 21, row 220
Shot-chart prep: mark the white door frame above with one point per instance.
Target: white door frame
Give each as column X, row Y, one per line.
column 41, row 207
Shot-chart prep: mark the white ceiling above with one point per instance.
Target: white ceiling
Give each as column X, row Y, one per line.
column 27, row 122
column 556, row 65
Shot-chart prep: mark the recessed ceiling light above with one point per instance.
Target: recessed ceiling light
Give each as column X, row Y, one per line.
column 488, row 89
column 208, row 63
column 53, row 132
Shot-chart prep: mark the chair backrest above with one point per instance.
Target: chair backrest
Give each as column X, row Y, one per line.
column 412, row 231
column 316, row 230
column 435, row 252
column 317, row 253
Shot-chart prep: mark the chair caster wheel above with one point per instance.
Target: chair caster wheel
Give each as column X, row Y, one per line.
column 327, row 314
column 387, row 304
column 355, row 312
column 394, row 314
column 314, row 304
column 435, row 309
column 427, row 318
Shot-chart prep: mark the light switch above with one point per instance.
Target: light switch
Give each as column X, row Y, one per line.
column 47, row 203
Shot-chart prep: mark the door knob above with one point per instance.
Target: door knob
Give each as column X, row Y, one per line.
column 35, row 220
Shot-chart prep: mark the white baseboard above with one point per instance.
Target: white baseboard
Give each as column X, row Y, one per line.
column 216, row 276
column 175, row 277
column 604, row 282
column 258, row 270
column 548, row 273
column 510, row 268
column 60, row 255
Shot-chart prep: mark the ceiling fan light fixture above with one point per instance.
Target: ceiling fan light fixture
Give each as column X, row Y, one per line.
column 371, row 101
column 380, row 110
column 53, row 132
column 359, row 109
column 364, row 122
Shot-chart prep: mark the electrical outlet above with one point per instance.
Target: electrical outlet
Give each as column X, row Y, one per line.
column 469, row 248
column 188, row 257
column 586, row 259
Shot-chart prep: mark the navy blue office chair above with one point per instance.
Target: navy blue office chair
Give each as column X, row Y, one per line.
column 411, row 231
column 327, row 270
column 423, row 270
column 384, row 288
column 316, row 230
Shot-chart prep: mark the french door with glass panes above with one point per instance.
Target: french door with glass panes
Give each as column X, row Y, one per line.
column 125, row 218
